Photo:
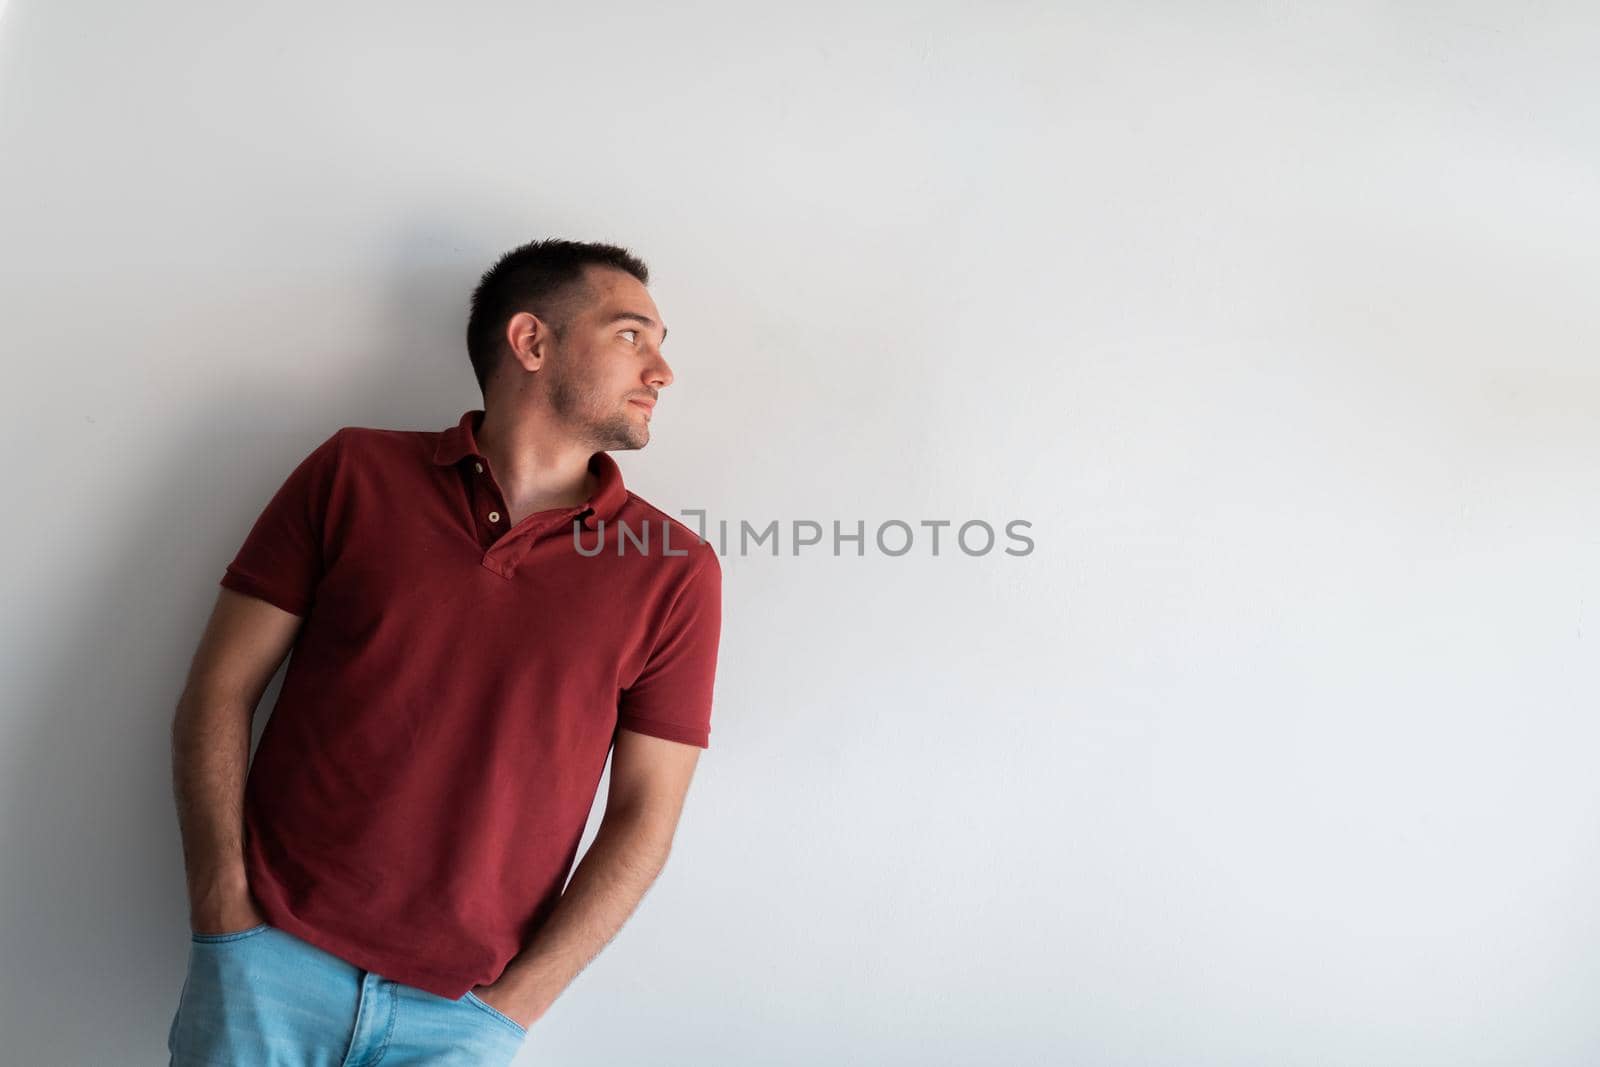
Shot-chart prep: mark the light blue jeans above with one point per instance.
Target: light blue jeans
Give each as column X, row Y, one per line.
column 264, row 998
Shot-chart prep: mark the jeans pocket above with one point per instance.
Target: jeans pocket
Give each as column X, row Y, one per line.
column 483, row 1005
column 236, row 935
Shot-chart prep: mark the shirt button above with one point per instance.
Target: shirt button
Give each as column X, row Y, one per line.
column 494, row 516
column 478, row 467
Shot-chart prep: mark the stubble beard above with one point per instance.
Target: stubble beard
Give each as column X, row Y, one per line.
column 593, row 417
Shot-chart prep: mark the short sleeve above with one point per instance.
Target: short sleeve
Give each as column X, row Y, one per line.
column 281, row 559
column 671, row 698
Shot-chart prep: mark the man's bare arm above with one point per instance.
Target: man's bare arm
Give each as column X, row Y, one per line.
column 649, row 780
column 245, row 641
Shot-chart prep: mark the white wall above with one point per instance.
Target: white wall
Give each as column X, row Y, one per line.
column 1277, row 323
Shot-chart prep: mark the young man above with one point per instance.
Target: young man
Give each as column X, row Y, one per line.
column 478, row 616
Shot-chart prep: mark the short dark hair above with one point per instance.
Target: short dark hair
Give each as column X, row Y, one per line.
column 542, row 277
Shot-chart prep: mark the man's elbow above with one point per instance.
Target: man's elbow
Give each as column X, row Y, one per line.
column 644, row 834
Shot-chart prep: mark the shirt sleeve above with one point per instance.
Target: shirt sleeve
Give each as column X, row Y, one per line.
column 671, row 698
column 281, row 560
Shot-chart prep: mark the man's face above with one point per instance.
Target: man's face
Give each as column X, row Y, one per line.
column 609, row 370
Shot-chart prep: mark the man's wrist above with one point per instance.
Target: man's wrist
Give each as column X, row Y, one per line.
column 521, row 987
column 222, row 883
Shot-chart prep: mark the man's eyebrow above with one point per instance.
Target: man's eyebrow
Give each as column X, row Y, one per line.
column 635, row 317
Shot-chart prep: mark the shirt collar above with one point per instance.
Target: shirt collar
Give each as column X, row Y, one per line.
column 460, row 441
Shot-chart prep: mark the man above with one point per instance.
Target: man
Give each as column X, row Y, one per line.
column 474, row 627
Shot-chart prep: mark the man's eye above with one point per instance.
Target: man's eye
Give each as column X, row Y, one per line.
column 632, row 332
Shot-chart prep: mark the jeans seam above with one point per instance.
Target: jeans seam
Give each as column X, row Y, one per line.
column 388, row 1033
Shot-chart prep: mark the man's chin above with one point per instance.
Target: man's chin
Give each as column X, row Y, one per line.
column 624, row 441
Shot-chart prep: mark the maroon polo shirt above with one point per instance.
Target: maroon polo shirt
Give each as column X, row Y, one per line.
column 417, row 797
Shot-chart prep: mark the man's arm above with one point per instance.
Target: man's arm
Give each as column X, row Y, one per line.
column 244, row 642
column 649, row 780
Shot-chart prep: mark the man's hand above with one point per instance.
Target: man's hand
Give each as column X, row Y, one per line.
column 524, row 1015
column 223, row 909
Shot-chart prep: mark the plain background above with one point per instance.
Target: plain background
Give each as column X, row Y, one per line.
column 1276, row 322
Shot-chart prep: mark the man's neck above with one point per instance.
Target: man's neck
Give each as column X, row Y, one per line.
column 537, row 467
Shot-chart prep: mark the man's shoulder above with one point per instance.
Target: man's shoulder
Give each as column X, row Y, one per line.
column 685, row 542
column 375, row 443
column 381, row 436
